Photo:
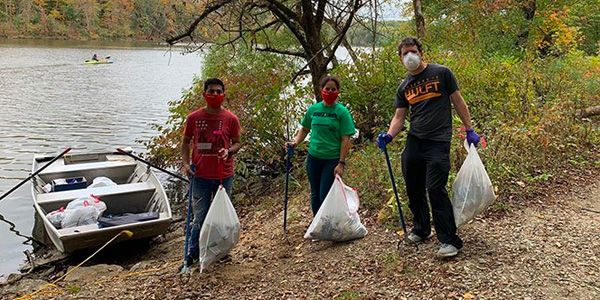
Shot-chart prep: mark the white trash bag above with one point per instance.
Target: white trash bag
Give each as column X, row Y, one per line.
column 87, row 201
column 220, row 231
column 56, row 217
column 472, row 189
column 337, row 219
column 79, row 216
column 101, row 181
column 83, row 211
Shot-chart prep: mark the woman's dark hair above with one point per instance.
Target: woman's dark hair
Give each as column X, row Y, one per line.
column 410, row 41
column 329, row 78
column 213, row 81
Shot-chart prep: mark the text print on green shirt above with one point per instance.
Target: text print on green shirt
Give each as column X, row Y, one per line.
column 327, row 124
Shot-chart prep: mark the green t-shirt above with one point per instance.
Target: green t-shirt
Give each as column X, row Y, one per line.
column 327, row 125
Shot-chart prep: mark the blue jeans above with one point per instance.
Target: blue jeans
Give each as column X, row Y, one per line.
column 321, row 177
column 203, row 192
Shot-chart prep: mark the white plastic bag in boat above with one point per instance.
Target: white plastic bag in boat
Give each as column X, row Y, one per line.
column 337, row 219
column 81, row 215
column 472, row 189
column 220, row 231
column 56, row 217
column 88, row 201
column 101, row 181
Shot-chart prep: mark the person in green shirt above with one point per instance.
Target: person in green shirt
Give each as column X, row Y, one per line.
column 330, row 125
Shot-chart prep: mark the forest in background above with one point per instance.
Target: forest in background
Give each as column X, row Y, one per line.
column 143, row 20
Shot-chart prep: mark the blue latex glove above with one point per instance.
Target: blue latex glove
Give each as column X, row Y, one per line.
column 383, row 139
column 472, row 137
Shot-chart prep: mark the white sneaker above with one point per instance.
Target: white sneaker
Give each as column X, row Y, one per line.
column 447, row 250
column 414, row 238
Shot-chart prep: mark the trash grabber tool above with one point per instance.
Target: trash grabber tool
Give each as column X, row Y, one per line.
column 184, row 273
column 389, row 165
column 289, row 155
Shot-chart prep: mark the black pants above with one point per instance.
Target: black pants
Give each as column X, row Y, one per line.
column 425, row 166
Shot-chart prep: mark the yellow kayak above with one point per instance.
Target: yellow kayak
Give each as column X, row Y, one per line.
column 98, row 62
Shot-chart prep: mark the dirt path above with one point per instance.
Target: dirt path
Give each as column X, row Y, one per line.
column 549, row 251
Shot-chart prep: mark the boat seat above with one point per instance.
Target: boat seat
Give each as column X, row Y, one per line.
column 91, row 170
column 65, row 196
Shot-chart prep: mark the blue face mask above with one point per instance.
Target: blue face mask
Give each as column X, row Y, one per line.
column 411, row 61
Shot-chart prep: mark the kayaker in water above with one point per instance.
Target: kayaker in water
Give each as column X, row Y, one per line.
column 95, row 57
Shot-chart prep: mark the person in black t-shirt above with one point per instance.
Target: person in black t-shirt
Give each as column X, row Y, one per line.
column 429, row 91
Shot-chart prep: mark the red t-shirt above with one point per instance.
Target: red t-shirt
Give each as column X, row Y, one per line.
column 211, row 133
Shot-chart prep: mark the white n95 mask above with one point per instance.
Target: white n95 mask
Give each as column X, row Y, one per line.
column 411, row 61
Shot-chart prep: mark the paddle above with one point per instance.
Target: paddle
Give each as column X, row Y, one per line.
column 152, row 165
column 35, row 173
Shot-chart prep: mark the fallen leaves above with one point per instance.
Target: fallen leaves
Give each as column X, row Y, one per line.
column 468, row 295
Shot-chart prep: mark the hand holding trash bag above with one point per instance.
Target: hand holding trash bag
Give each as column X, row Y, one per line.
column 472, row 137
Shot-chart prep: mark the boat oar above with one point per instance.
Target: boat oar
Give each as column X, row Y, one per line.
column 152, row 165
column 290, row 154
column 35, row 173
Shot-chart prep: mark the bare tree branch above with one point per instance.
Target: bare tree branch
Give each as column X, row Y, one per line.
column 207, row 11
column 289, row 23
column 286, row 52
column 335, row 27
column 320, row 14
column 288, row 13
column 342, row 33
column 312, row 58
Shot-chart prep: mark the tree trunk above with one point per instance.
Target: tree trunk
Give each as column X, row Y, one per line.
column 318, row 69
column 419, row 19
column 590, row 111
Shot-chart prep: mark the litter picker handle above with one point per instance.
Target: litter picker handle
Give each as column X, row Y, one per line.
column 290, row 154
column 389, row 164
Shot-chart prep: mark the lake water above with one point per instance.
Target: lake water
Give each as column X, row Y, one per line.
column 50, row 100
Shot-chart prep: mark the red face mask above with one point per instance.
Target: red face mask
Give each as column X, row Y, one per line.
column 214, row 100
column 329, row 97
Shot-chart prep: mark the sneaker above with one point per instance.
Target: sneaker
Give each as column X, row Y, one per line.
column 191, row 260
column 225, row 259
column 414, row 238
column 447, row 250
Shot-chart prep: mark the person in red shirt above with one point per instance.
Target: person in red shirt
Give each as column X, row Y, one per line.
column 212, row 135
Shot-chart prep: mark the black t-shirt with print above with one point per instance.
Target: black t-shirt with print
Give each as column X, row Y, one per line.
column 428, row 96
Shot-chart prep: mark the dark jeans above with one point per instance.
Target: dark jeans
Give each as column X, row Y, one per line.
column 321, row 177
column 203, row 192
column 425, row 166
